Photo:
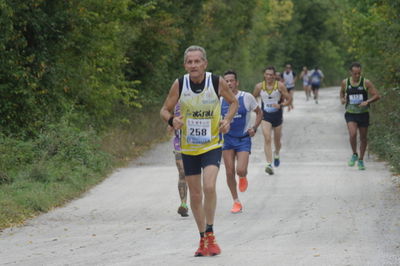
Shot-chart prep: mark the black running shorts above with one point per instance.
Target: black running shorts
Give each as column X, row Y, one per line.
column 314, row 87
column 275, row 118
column 362, row 120
column 193, row 164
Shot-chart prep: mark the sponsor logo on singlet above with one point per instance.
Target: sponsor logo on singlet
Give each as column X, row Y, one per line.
column 202, row 114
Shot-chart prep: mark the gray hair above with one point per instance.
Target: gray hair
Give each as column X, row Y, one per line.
column 195, row 48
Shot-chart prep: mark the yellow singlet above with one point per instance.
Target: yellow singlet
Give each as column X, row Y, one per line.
column 201, row 116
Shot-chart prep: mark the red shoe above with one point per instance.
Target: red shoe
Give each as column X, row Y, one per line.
column 202, row 250
column 237, row 207
column 243, row 184
column 213, row 248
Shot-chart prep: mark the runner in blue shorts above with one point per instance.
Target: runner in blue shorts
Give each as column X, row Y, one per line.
column 237, row 142
column 315, row 79
column 272, row 92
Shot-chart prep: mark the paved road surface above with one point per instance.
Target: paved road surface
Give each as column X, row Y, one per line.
column 314, row 211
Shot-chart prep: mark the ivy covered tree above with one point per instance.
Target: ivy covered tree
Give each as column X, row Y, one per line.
column 61, row 55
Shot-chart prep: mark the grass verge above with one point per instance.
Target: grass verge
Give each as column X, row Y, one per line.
column 63, row 162
column 384, row 136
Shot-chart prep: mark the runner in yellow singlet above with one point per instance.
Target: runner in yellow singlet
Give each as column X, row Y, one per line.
column 201, row 128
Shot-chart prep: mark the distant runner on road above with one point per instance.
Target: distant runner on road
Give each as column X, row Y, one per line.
column 289, row 78
column 272, row 92
column 278, row 76
column 316, row 76
column 305, row 76
column 237, row 142
column 201, row 126
column 357, row 93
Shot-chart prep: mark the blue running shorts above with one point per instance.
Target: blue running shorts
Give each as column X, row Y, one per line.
column 237, row 143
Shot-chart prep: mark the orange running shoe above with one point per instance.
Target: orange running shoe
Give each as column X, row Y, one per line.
column 243, row 184
column 202, row 250
column 237, row 207
column 213, row 248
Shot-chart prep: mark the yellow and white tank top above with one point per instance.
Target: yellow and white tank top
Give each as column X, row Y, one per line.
column 269, row 97
column 201, row 116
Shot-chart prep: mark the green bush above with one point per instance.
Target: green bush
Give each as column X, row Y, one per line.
column 58, row 165
column 384, row 135
column 16, row 152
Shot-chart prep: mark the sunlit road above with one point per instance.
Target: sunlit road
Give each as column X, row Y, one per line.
column 314, row 211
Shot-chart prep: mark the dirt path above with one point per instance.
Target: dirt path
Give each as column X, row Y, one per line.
column 314, row 211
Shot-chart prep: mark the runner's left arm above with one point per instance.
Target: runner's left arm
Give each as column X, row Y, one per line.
column 253, row 106
column 259, row 116
column 373, row 92
column 285, row 94
column 228, row 95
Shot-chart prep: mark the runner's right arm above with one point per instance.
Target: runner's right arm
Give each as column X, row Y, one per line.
column 257, row 90
column 343, row 92
column 167, row 110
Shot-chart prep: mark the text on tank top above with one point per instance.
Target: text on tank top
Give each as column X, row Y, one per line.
column 239, row 122
column 201, row 115
column 355, row 95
